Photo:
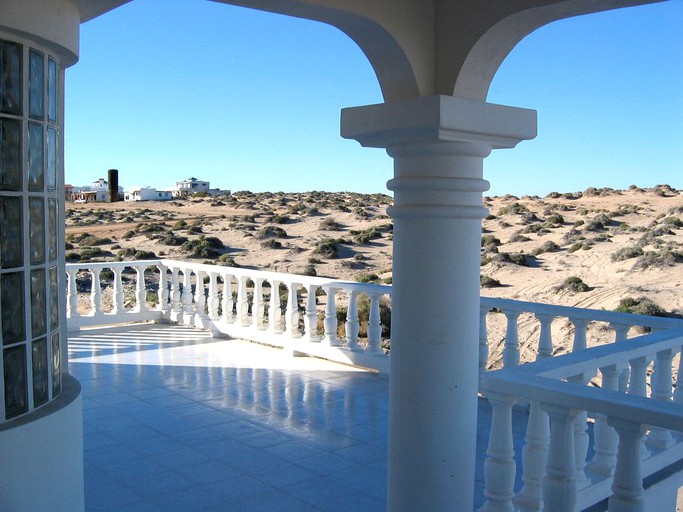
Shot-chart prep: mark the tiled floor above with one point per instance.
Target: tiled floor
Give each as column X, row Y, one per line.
column 178, row 421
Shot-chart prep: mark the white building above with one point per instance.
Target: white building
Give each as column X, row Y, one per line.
column 98, row 191
column 147, row 194
column 190, row 186
column 434, row 61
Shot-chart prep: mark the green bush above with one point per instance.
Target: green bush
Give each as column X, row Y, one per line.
column 639, row 306
column 489, row 282
column 575, row 284
column 626, row 253
column 364, row 277
column 327, row 248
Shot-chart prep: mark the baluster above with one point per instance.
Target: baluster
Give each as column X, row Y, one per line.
column 511, row 352
column 293, row 311
column 176, row 304
column 351, row 325
column 559, row 483
column 661, row 390
column 117, row 291
column 534, row 458
column 258, row 304
column 228, row 304
column 72, row 295
column 545, row 339
column 331, row 317
column 581, row 439
column 374, row 326
column 213, row 297
column 606, row 439
column 95, row 292
column 483, row 342
column 621, row 334
column 311, row 317
column 678, row 394
column 580, row 326
column 500, row 467
column 199, row 294
column 243, row 301
column 637, row 385
column 186, row 296
column 162, row 291
column 140, row 290
column 628, row 481
column 274, row 309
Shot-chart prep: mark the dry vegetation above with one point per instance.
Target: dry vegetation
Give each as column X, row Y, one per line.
column 601, row 248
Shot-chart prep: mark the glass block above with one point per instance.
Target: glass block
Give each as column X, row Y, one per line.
column 51, row 159
column 38, row 302
column 39, row 365
column 16, row 399
column 36, row 157
column 52, row 90
column 10, row 78
column 11, row 237
column 56, row 365
column 10, row 155
column 36, row 84
column 54, row 298
column 52, row 228
column 36, row 229
column 12, row 302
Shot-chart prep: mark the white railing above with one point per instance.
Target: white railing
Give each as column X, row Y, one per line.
column 297, row 313
column 302, row 316
column 635, row 428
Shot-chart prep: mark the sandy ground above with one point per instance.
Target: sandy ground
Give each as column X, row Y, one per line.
column 586, row 236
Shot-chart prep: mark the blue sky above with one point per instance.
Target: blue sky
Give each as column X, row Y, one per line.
column 168, row 89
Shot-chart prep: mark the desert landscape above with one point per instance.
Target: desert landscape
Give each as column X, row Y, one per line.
column 599, row 248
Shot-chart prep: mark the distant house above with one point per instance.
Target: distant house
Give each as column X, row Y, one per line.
column 147, row 194
column 98, row 191
column 192, row 186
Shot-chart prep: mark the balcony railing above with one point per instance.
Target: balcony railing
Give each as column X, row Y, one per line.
column 584, row 443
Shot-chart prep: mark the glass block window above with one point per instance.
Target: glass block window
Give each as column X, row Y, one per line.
column 31, row 275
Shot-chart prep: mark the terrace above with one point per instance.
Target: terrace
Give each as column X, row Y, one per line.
column 228, row 422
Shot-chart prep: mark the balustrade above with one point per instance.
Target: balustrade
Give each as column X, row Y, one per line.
column 623, row 423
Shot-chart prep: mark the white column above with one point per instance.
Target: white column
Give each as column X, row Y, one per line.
column 117, row 291
column 438, row 144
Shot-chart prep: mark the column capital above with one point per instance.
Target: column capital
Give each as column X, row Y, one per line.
column 438, row 119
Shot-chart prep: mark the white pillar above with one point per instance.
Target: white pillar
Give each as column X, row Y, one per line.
column 438, row 144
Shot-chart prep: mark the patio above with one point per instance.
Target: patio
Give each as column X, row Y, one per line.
column 177, row 420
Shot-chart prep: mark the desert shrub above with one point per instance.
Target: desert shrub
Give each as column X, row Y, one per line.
column 658, row 259
column 309, row 270
column 272, row 232
column 327, row 248
column 639, row 306
column 575, row 284
column 93, row 240
column 512, row 208
column 152, row 227
column 201, row 194
column 529, row 217
column 578, row 223
column 585, row 246
column 536, row 227
column 518, row 237
column 555, row 218
column 516, row 258
column 548, row 246
column 330, row 224
column 490, row 217
column 366, row 235
column 227, row 260
column 280, row 219
column 489, row 240
column 314, row 260
column 366, row 278
column 673, row 222
column 598, row 223
column 194, row 230
column 181, row 224
column 626, row 253
column 271, row 243
column 172, row 239
column 203, row 247
column 489, row 282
